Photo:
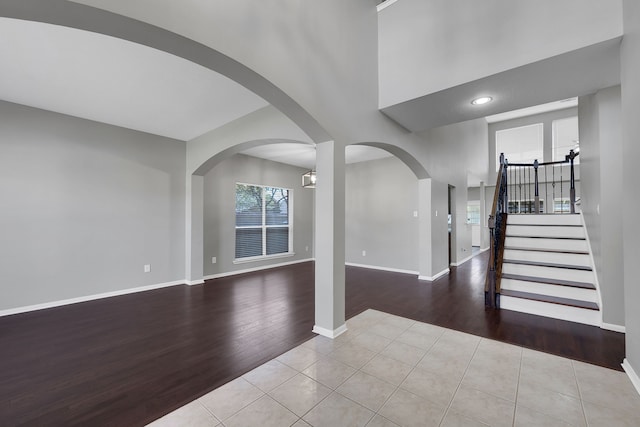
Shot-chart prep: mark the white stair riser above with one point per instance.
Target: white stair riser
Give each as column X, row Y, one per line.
column 580, row 260
column 550, row 244
column 545, row 231
column 556, row 311
column 544, row 219
column 548, row 272
column 551, row 290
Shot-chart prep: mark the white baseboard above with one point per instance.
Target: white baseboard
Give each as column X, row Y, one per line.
column 249, row 270
column 52, row 304
column 612, row 327
column 375, row 267
column 195, row 282
column 633, row 376
column 437, row 276
column 328, row 332
column 458, row 264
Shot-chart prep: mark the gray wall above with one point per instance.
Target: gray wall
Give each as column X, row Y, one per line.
column 630, row 65
column 219, row 210
column 84, row 206
column 451, row 153
column 381, row 197
column 428, row 46
column 601, row 178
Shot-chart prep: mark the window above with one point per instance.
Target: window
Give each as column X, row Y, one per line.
column 520, row 145
column 473, row 212
column 524, row 206
column 561, row 205
column 565, row 138
column 262, row 221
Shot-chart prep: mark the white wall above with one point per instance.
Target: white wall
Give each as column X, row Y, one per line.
column 84, row 206
column 426, row 46
column 219, row 210
column 381, row 198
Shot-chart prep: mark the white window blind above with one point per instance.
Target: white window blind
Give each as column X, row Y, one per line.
column 262, row 221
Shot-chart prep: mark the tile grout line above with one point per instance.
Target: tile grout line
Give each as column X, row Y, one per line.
column 448, row 408
column 515, row 407
column 575, row 377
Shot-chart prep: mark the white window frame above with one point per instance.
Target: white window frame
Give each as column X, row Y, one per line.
column 264, row 226
column 564, row 202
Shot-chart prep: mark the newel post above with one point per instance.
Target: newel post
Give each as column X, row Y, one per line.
column 572, row 192
column 536, row 200
column 490, row 293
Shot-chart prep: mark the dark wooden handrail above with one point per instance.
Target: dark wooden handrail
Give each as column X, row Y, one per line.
column 497, row 222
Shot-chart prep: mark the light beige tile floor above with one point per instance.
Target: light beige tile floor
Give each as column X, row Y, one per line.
column 387, row 371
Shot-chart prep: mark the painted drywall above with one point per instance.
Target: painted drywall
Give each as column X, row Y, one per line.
column 381, row 198
column 451, row 154
column 85, row 206
column 219, row 210
column 630, row 64
column 601, row 178
column 439, row 228
column 262, row 126
column 429, row 46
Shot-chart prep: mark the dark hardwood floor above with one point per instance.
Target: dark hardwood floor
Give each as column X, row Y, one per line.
column 125, row 361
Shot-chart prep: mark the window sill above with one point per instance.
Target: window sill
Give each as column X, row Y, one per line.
column 263, row 258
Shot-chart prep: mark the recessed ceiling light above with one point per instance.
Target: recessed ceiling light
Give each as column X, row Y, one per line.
column 482, row 100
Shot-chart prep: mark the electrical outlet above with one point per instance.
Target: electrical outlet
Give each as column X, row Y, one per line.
column 415, row 214
column 147, row 268
column 306, row 248
column 364, row 253
column 214, row 260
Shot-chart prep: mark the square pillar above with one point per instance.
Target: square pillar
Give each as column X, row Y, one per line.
column 330, row 240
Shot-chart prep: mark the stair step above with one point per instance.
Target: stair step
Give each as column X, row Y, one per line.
column 553, row 257
column 558, row 251
column 546, row 219
column 588, row 305
column 549, row 281
column 555, row 231
column 555, row 311
column 511, row 234
column 582, row 294
column 547, row 264
column 547, row 244
column 544, row 272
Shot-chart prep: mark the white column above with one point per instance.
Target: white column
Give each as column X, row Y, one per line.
column 425, row 262
column 194, row 230
column 330, row 240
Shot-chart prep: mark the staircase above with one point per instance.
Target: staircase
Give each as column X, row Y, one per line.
column 546, row 269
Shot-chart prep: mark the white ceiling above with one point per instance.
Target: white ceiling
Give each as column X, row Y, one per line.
column 113, row 81
column 304, row 156
column 530, row 111
column 575, row 73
